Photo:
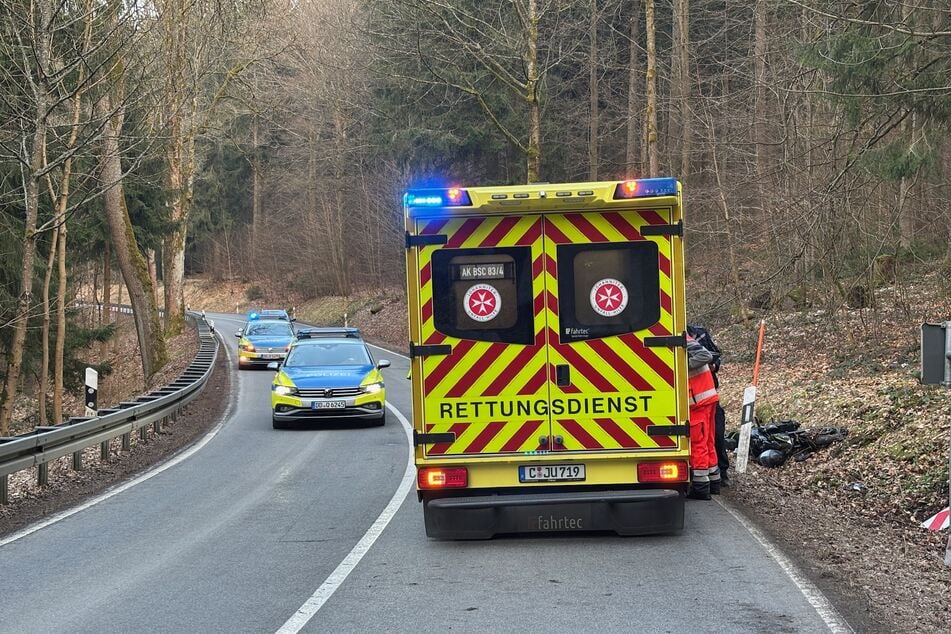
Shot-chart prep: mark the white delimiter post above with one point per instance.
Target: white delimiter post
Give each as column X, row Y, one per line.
column 92, row 392
column 947, row 384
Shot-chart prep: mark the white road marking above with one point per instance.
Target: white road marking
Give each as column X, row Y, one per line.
column 151, row 473
column 317, row 600
column 402, row 356
column 813, row 594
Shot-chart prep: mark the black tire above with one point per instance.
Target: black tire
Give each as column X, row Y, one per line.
column 381, row 421
column 278, row 424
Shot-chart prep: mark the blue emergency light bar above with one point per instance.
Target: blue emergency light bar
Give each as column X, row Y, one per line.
column 646, row 188
column 452, row 197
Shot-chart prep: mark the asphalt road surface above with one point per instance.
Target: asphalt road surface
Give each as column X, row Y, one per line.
column 240, row 535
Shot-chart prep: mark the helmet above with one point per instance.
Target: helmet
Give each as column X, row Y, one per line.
column 771, row 458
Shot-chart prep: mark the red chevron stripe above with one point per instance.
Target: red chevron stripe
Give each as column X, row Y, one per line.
column 443, row 447
column 464, row 232
column 533, row 233
column 554, row 233
column 584, row 225
column 516, row 441
column 665, row 302
column 538, row 266
column 551, row 266
column 427, row 310
column 500, row 231
column 662, row 441
column 517, row 365
column 665, row 372
column 434, row 226
column 539, row 303
column 435, row 338
column 485, row 436
column 478, row 368
column 622, row 438
column 625, row 228
column 425, row 274
column 446, row 365
column 552, row 302
column 535, row 383
column 620, row 366
column 653, row 217
column 658, row 330
column 663, row 263
column 587, row 440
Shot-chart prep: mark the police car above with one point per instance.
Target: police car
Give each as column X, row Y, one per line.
column 328, row 374
column 263, row 341
column 270, row 313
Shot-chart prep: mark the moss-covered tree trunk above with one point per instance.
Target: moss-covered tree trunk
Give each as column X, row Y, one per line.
column 132, row 264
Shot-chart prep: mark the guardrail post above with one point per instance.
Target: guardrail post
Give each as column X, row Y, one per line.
column 43, row 474
column 157, row 425
column 104, row 450
column 143, row 433
column 78, row 460
column 4, row 489
column 126, row 442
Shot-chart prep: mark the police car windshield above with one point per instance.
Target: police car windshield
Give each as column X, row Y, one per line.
column 274, row 329
column 329, row 353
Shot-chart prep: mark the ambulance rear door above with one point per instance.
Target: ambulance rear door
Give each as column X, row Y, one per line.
column 611, row 333
column 482, row 329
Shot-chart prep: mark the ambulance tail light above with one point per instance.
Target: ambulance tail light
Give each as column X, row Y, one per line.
column 654, row 472
column 646, row 188
column 442, row 478
column 452, row 197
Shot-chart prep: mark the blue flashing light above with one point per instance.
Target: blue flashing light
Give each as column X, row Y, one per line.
column 452, row 197
column 646, row 188
column 252, row 316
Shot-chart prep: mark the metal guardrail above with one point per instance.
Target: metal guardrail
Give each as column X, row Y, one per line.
column 43, row 444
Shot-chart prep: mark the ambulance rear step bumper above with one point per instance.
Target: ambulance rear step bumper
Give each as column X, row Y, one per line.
column 640, row 512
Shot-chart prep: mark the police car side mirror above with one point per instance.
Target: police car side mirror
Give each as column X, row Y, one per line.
column 273, row 365
column 382, row 363
column 238, row 334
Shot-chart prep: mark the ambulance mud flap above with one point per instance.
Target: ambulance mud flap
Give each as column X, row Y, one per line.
column 641, row 512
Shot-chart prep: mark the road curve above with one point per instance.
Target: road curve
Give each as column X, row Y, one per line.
column 238, row 536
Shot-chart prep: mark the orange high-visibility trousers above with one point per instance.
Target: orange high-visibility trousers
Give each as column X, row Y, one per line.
column 703, row 453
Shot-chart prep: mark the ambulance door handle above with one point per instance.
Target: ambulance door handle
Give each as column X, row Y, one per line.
column 562, row 375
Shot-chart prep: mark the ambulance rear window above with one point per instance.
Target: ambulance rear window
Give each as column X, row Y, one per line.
column 484, row 294
column 607, row 289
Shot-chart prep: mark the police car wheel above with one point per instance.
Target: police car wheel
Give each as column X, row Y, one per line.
column 381, row 421
column 277, row 424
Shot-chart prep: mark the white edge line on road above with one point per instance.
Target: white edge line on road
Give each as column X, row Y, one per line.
column 317, row 600
column 827, row 612
column 151, row 473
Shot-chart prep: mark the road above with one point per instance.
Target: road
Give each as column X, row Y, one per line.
column 238, row 536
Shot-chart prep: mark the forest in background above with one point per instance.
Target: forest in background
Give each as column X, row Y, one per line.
column 271, row 141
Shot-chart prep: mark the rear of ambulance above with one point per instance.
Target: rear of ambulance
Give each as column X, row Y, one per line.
column 548, row 367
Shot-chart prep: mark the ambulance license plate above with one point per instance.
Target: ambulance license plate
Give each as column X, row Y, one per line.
column 328, row 404
column 551, row 473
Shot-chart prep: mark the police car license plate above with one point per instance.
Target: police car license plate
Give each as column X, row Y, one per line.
column 551, row 473
column 328, row 404
column 270, row 356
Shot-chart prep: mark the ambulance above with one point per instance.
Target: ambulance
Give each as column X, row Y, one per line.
column 548, row 357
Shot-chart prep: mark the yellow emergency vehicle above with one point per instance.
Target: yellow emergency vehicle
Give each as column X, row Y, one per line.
column 549, row 375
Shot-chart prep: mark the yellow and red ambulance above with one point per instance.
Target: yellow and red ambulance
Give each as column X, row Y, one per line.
column 549, row 376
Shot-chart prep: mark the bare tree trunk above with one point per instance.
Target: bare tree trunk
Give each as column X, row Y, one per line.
column 651, row 123
column 593, row 126
column 534, row 153
column 255, row 196
column 133, row 266
column 759, row 89
column 106, row 291
column 907, row 221
column 41, row 45
column 43, row 386
column 153, row 273
column 60, row 349
column 633, row 80
column 681, row 16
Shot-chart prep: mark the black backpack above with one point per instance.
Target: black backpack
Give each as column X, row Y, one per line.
column 702, row 336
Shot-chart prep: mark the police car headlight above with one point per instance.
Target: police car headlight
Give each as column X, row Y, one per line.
column 285, row 390
column 373, row 388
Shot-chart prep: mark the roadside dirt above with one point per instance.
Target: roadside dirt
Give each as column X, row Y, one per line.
column 67, row 488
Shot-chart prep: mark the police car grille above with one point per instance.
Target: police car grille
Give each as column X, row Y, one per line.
column 318, row 392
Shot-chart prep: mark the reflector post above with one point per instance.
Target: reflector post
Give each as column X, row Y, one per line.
column 650, row 472
column 442, row 478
